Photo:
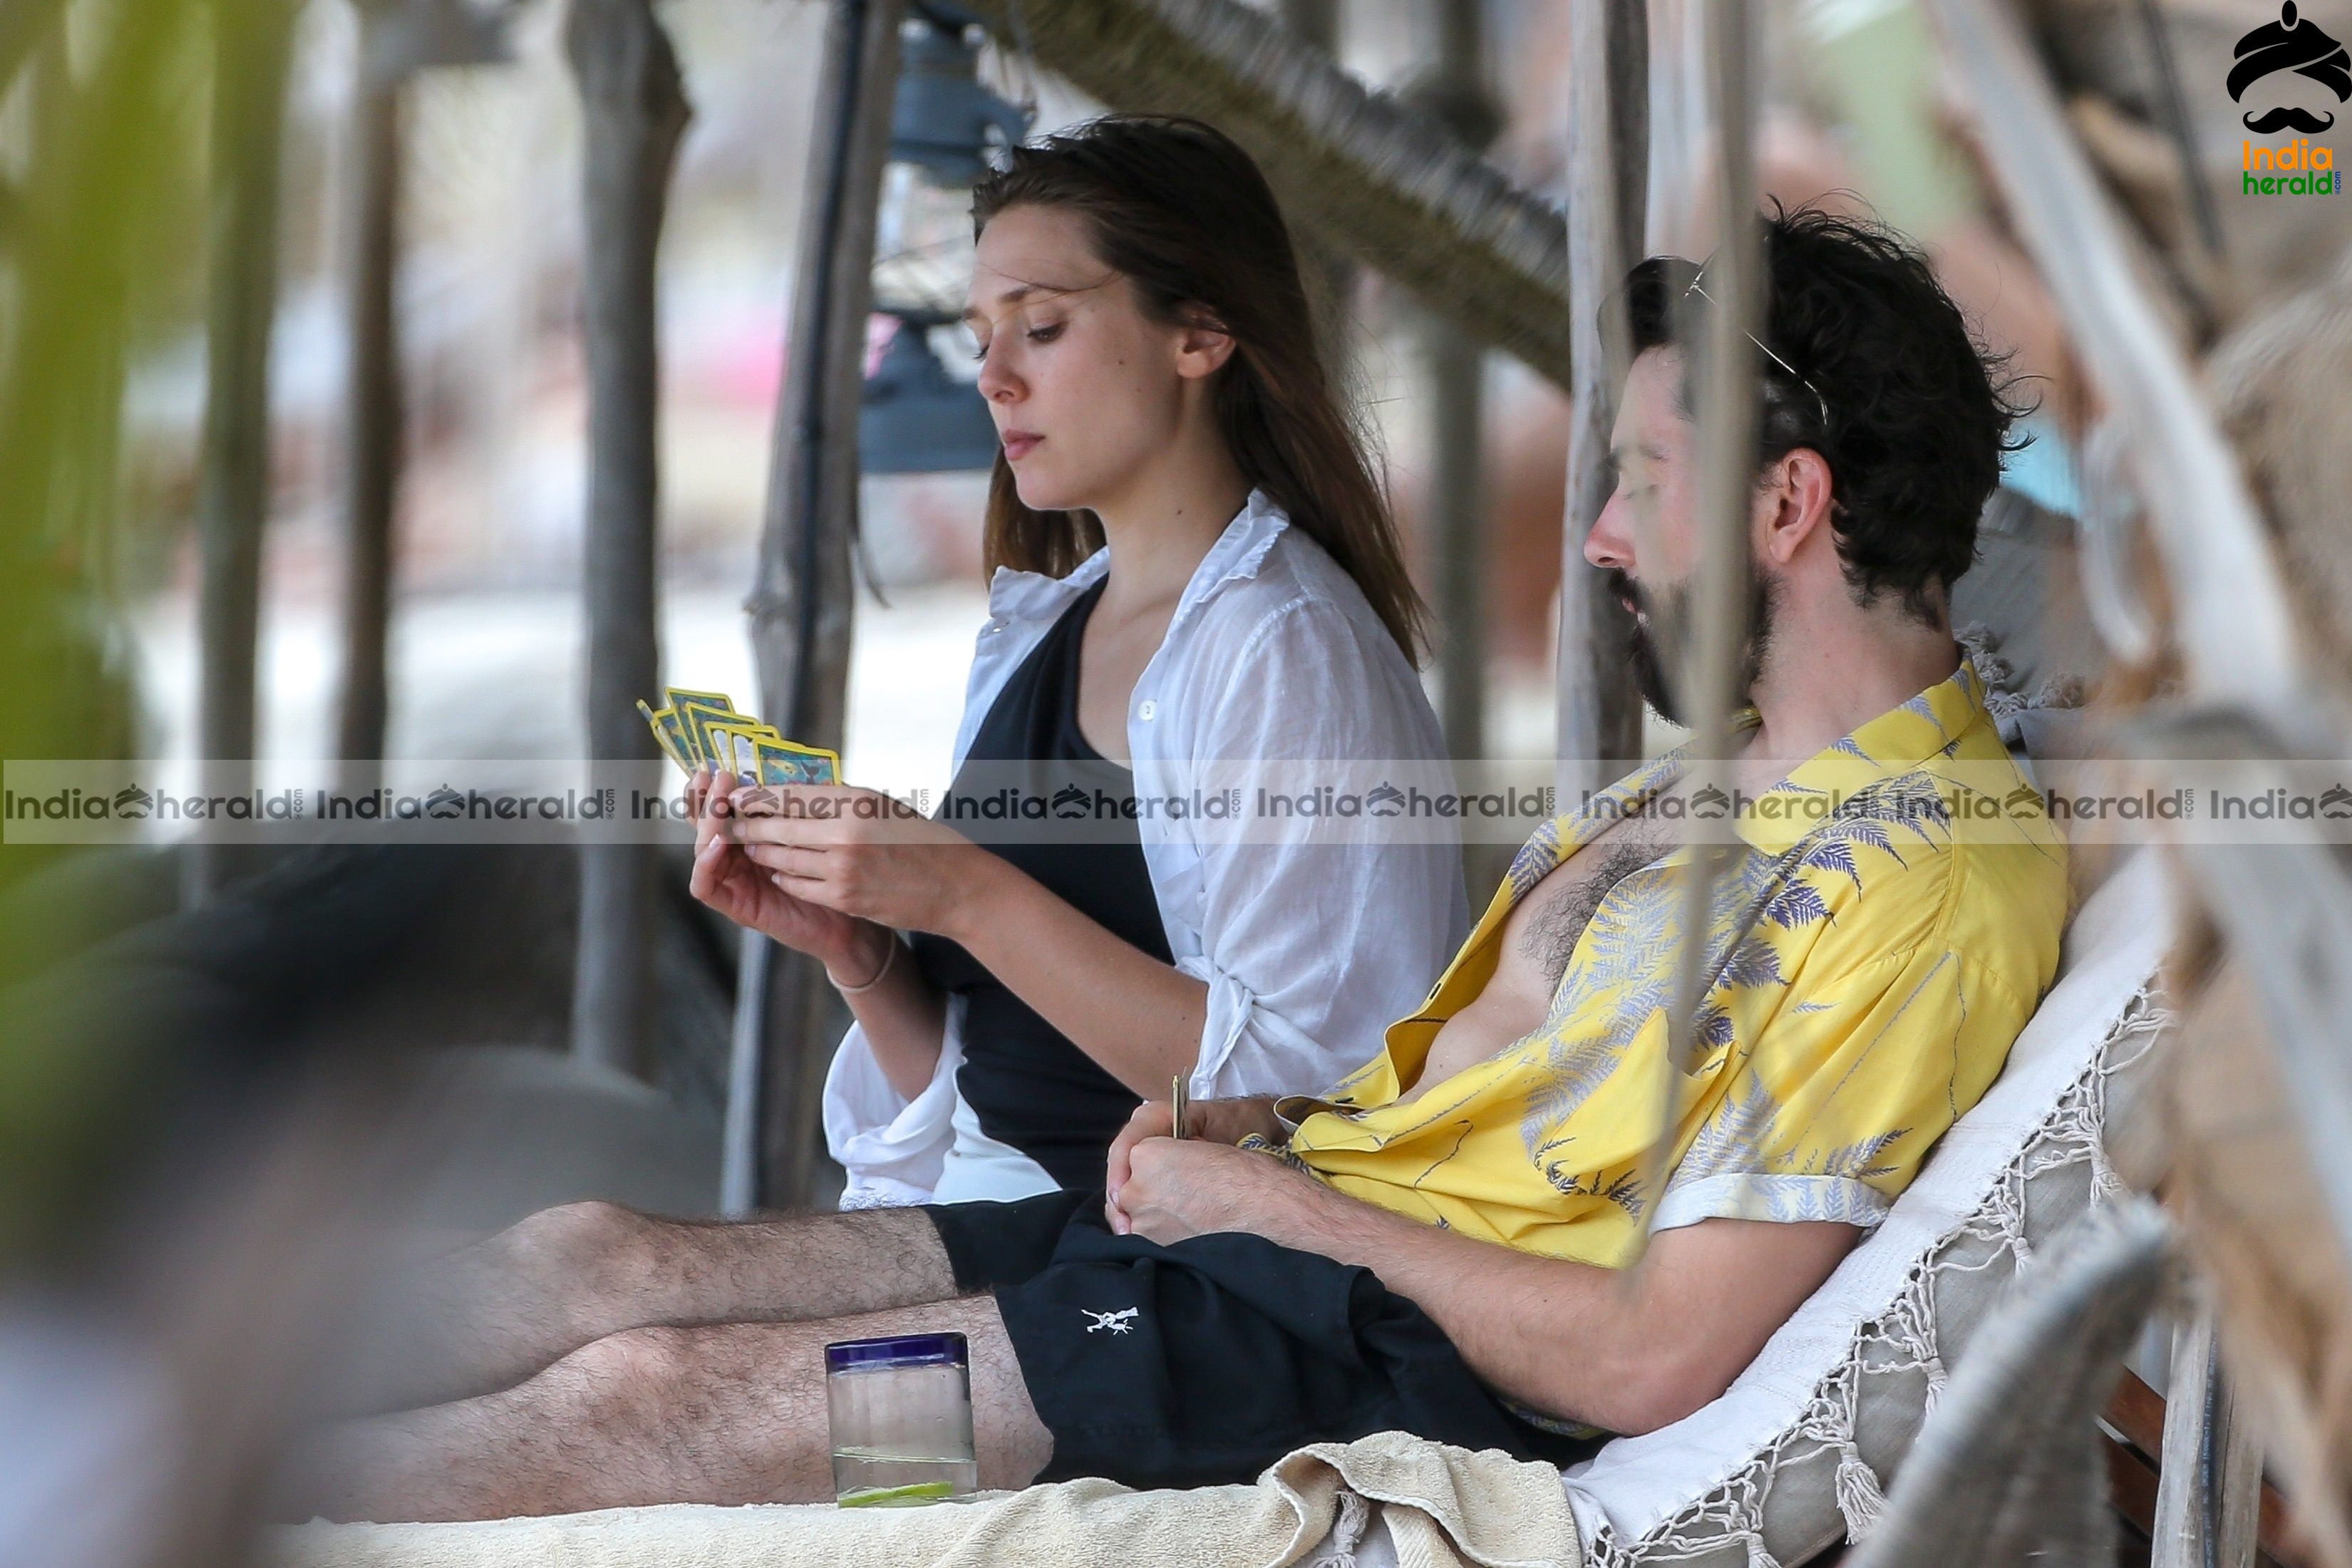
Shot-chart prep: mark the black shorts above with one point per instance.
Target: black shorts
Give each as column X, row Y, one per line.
column 1205, row 1362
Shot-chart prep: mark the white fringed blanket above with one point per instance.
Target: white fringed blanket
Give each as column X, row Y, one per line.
column 1443, row 1507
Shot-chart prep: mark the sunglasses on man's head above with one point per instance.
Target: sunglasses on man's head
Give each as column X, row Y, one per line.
column 1821, row 403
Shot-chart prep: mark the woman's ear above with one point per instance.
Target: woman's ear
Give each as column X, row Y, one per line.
column 1202, row 347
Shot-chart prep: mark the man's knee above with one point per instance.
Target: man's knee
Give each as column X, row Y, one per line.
column 635, row 1375
column 593, row 1245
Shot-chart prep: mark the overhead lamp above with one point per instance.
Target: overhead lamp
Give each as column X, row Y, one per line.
column 941, row 117
column 914, row 418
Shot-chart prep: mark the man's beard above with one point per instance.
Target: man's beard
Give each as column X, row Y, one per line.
column 1657, row 649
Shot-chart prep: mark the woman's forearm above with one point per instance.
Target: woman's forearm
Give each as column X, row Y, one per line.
column 1139, row 1018
column 903, row 1015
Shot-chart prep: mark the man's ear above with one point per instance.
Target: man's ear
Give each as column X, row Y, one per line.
column 1202, row 347
column 1794, row 504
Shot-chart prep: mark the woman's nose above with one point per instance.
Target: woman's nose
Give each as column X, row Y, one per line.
column 997, row 382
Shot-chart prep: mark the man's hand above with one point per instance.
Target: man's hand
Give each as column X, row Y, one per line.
column 1194, row 1188
column 1212, row 1121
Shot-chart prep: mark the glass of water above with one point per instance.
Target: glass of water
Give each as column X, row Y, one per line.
column 901, row 1410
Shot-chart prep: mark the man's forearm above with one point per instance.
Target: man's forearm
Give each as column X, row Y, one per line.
column 1628, row 1349
column 1552, row 1334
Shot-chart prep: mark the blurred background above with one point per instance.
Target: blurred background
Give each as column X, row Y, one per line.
column 224, row 1085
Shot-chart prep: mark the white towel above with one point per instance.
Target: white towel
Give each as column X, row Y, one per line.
column 1444, row 1508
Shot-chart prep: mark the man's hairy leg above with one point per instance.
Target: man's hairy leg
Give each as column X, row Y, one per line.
column 730, row 1413
column 490, row 1314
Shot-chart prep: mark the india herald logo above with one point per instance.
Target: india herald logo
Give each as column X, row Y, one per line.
column 2296, row 44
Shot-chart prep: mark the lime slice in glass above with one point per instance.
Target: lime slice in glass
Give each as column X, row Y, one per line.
column 896, row 1497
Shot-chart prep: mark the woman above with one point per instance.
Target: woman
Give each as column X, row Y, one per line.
column 1195, row 579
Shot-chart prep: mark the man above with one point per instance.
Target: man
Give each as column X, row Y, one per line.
column 1444, row 1245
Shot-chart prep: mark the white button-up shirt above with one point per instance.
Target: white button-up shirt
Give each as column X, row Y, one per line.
column 1309, row 951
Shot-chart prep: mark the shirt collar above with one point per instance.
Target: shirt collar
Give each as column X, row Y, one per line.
column 1238, row 552
column 1897, row 741
column 1235, row 557
column 1892, row 745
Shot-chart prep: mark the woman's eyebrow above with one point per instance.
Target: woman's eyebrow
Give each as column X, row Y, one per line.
column 1021, row 293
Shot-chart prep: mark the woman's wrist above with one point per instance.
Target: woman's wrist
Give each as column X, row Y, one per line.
column 974, row 890
column 870, row 952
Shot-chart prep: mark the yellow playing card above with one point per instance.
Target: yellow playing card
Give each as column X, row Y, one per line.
column 670, row 736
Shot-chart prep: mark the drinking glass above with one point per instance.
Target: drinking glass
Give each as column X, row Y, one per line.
column 900, row 1411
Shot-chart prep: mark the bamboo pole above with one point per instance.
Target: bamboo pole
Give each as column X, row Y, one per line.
column 1329, row 276
column 252, row 44
column 636, row 112
column 373, row 400
column 1715, row 639
column 2210, row 1484
column 801, row 604
column 1456, row 94
column 1600, row 713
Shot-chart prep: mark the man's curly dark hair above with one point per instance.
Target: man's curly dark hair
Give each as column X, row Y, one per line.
column 1911, row 414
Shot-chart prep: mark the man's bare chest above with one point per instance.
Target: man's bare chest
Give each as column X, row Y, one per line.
column 1536, row 943
column 1543, row 930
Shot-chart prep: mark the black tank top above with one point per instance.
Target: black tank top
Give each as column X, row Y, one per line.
column 1026, row 1082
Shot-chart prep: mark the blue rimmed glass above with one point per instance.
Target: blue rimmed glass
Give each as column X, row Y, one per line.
column 900, row 1413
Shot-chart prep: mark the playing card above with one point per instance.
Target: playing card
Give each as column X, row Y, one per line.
column 783, row 762
column 670, row 736
column 703, row 729
column 678, row 697
column 698, row 711
column 734, row 745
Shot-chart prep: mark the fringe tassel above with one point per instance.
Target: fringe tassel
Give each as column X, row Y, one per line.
column 1347, row 1531
column 1859, row 1495
column 2105, row 1185
column 1757, row 1556
column 1933, row 1364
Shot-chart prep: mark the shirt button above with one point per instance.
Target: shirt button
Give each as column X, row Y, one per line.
column 1147, row 710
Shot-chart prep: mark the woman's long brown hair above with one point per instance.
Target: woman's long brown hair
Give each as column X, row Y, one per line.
column 1177, row 208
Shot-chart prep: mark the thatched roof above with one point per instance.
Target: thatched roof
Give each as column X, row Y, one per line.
column 1374, row 177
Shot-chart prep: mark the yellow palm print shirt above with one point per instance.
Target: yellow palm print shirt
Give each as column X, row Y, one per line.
column 1883, row 931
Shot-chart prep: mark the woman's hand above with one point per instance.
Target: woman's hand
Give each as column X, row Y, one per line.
column 859, row 853
column 727, row 879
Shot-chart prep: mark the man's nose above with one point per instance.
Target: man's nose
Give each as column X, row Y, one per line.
column 1610, row 543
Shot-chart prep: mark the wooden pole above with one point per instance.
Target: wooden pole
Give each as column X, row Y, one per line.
column 252, row 42
column 2209, row 1485
column 1706, row 683
column 801, row 604
column 1600, row 712
column 1328, row 274
column 372, row 401
column 1729, row 393
column 636, row 112
column 1456, row 366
